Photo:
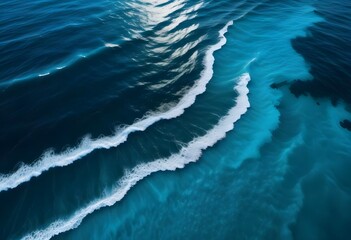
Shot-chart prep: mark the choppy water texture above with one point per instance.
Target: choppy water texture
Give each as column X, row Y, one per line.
column 185, row 119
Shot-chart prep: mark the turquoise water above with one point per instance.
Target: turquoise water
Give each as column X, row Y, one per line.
column 174, row 120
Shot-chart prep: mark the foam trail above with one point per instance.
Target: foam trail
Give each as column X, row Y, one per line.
column 191, row 153
column 51, row 160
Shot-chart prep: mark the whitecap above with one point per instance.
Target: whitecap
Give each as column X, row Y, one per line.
column 111, row 45
column 44, row 74
column 60, row 67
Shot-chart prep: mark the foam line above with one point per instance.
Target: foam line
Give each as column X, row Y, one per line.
column 50, row 159
column 191, row 153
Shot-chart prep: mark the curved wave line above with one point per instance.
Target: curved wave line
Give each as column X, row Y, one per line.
column 50, row 159
column 191, row 153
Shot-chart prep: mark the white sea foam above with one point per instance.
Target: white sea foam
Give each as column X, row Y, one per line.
column 111, row 45
column 51, row 159
column 44, row 74
column 190, row 153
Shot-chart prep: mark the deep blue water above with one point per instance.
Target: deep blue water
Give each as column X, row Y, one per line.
column 184, row 119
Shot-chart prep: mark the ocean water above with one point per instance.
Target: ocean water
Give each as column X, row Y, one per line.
column 184, row 119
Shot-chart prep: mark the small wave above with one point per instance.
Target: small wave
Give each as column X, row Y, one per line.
column 50, row 159
column 191, row 153
column 51, row 70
